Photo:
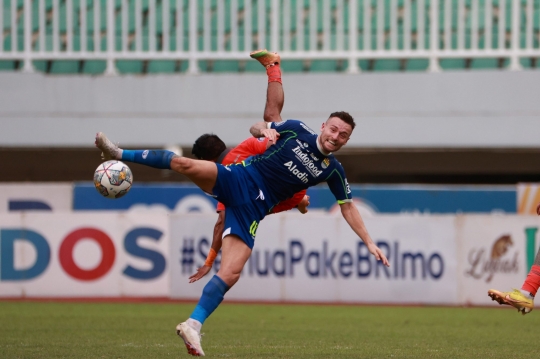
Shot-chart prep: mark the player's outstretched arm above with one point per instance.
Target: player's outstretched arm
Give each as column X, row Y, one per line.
column 214, row 249
column 353, row 218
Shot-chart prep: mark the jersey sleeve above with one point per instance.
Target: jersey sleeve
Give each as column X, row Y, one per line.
column 289, row 203
column 257, row 146
column 290, row 126
column 338, row 184
column 252, row 146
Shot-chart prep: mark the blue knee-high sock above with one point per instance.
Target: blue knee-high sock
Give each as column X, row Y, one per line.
column 211, row 297
column 152, row 158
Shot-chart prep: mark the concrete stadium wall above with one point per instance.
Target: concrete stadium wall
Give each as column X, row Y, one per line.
column 482, row 109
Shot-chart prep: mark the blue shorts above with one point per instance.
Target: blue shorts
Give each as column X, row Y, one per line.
column 244, row 201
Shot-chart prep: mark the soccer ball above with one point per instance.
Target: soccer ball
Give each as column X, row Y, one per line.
column 113, row 179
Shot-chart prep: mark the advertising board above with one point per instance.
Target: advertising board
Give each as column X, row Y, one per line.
column 83, row 255
column 387, row 199
column 319, row 258
column 494, row 252
column 36, row 197
column 449, row 260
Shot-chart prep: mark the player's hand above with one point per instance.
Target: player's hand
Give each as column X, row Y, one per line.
column 376, row 251
column 303, row 205
column 271, row 134
column 201, row 272
column 538, row 209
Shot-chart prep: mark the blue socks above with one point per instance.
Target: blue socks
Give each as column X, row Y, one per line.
column 211, row 297
column 152, row 158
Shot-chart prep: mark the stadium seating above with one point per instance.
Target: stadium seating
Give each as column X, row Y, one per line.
column 453, row 64
column 416, row 65
column 8, row 65
column 165, row 66
column 380, row 23
column 93, row 67
column 387, row 65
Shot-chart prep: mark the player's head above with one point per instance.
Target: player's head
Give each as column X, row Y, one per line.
column 208, row 147
column 336, row 131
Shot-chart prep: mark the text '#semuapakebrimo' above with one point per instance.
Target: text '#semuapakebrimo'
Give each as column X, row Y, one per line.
column 297, row 258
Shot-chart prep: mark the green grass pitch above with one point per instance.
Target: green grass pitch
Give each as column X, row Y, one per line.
column 147, row 330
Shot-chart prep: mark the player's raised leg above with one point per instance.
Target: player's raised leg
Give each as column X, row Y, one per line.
column 202, row 173
column 235, row 254
column 274, row 94
column 274, row 102
column 522, row 299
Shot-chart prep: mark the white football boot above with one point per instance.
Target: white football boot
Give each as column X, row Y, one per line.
column 110, row 150
column 191, row 338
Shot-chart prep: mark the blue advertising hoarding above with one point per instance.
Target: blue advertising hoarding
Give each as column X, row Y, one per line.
column 439, row 199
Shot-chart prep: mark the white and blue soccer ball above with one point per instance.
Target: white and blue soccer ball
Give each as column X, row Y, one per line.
column 113, row 179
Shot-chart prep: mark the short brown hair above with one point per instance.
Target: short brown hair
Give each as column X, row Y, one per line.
column 345, row 117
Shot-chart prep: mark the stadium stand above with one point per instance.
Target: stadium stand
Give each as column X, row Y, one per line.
column 155, row 36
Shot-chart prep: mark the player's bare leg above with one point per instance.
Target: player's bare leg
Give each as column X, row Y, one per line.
column 202, row 173
column 275, row 98
column 274, row 93
column 234, row 255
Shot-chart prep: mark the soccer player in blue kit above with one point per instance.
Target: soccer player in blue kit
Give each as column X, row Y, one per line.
column 300, row 158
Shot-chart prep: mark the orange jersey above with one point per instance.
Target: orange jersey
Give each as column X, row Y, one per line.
column 250, row 147
column 289, row 203
column 256, row 146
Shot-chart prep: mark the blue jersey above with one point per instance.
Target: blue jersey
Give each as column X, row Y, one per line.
column 296, row 163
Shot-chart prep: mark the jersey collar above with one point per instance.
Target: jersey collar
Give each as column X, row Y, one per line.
column 319, row 147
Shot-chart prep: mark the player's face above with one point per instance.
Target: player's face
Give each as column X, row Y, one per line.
column 334, row 134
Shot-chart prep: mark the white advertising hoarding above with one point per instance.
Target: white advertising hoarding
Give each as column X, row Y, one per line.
column 36, row 196
column 304, row 258
column 495, row 252
column 317, row 257
column 84, row 255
